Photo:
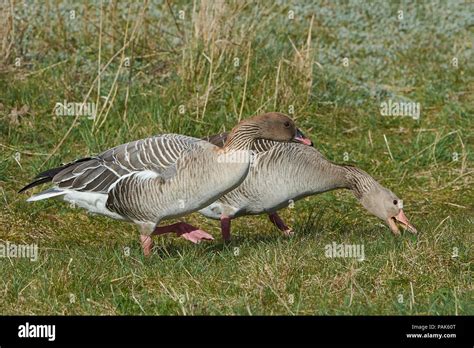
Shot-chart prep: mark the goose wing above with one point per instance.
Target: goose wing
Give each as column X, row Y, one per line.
column 155, row 156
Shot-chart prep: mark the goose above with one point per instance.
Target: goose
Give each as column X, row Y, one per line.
column 163, row 177
column 282, row 173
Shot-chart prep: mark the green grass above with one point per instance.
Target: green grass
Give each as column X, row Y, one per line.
column 192, row 62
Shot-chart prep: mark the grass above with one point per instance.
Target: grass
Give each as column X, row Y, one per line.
column 198, row 72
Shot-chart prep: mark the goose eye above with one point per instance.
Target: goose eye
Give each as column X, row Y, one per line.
column 287, row 124
column 395, row 202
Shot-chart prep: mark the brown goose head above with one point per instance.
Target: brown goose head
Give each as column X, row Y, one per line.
column 271, row 126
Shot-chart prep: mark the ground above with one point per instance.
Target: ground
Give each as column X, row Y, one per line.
column 197, row 68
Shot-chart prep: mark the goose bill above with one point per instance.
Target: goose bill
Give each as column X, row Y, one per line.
column 403, row 220
column 300, row 137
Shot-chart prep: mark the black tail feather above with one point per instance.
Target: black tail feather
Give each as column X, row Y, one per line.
column 49, row 174
column 35, row 183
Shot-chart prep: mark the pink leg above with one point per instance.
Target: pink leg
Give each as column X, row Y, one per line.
column 278, row 222
column 147, row 244
column 184, row 230
column 225, row 228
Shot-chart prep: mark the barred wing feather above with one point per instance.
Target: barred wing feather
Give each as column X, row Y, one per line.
column 155, row 154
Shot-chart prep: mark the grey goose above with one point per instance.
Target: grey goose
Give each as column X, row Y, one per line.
column 163, row 177
column 282, row 173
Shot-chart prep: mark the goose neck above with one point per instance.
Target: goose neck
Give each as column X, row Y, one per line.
column 242, row 137
column 358, row 181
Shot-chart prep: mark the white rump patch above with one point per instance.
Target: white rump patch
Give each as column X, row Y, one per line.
column 93, row 202
column 45, row 195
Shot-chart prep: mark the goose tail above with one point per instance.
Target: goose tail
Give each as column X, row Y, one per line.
column 36, row 182
column 48, row 175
